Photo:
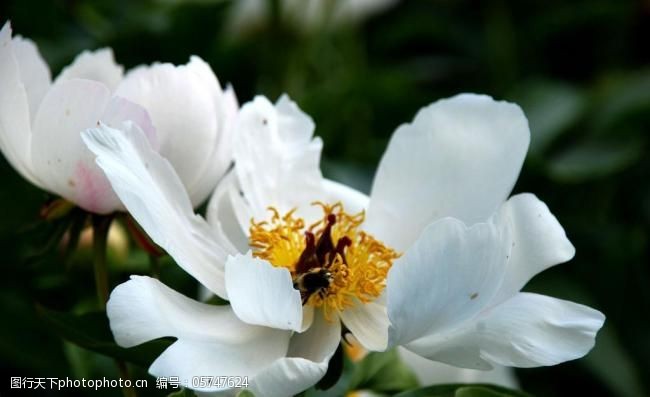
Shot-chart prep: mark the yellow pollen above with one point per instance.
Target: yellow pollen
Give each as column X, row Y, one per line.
column 356, row 272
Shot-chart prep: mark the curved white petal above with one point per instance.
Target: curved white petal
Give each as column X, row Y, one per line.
column 530, row 330
column 306, row 362
column 154, row 195
column 276, row 158
column 262, row 294
column 34, row 72
column 15, row 127
column 184, row 103
column 459, row 158
column 229, row 214
column 434, row 373
column 446, row 278
column 527, row 330
column 212, row 341
column 220, row 159
column 368, row 322
column 98, row 65
column 537, row 241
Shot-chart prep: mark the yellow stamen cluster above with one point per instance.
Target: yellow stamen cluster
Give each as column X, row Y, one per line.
column 357, row 275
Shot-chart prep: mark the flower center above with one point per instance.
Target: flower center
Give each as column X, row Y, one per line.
column 332, row 262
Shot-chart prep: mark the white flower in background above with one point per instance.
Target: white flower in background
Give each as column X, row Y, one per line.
column 41, row 121
column 438, row 251
column 306, row 15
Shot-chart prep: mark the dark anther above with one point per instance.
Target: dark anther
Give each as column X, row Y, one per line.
column 308, row 258
column 325, row 244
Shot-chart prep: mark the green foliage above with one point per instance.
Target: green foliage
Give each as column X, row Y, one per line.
column 462, row 390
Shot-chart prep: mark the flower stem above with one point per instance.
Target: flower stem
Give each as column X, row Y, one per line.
column 101, row 225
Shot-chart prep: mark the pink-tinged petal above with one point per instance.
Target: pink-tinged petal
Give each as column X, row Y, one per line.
column 459, row 158
column 98, row 65
column 59, row 155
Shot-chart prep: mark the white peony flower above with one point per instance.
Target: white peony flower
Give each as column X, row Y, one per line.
column 181, row 109
column 435, row 262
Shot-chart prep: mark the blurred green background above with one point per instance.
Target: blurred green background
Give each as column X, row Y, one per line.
column 579, row 69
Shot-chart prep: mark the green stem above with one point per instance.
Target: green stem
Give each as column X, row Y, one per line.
column 101, row 225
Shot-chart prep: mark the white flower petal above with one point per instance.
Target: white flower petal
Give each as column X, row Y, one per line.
column 34, row 72
column 447, row 277
column 213, row 169
column 459, row 158
column 15, row 127
column 306, row 362
column 368, row 322
column 527, row 330
column 143, row 309
column 537, row 239
column 58, row 154
column 154, row 195
column 98, row 65
column 229, row 214
column 262, row 294
column 434, row 373
column 182, row 102
column 276, row 159
column 530, row 330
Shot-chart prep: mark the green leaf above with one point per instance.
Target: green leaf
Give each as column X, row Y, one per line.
column 183, row 392
column 463, row 390
column 245, row 393
column 594, row 160
column 384, row 373
column 91, row 331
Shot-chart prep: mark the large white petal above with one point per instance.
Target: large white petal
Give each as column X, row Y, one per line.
column 98, row 65
column 306, row 362
column 212, row 341
column 262, row 294
column 276, row 158
column 15, row 128
column 459, row 158
column 530, row 330
column 154, row 195
column 182, row 102
column 34, row 72
column 447, row 277
column 433, row 373
column 368, row 322
column 537, row 241
column 527, row 330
